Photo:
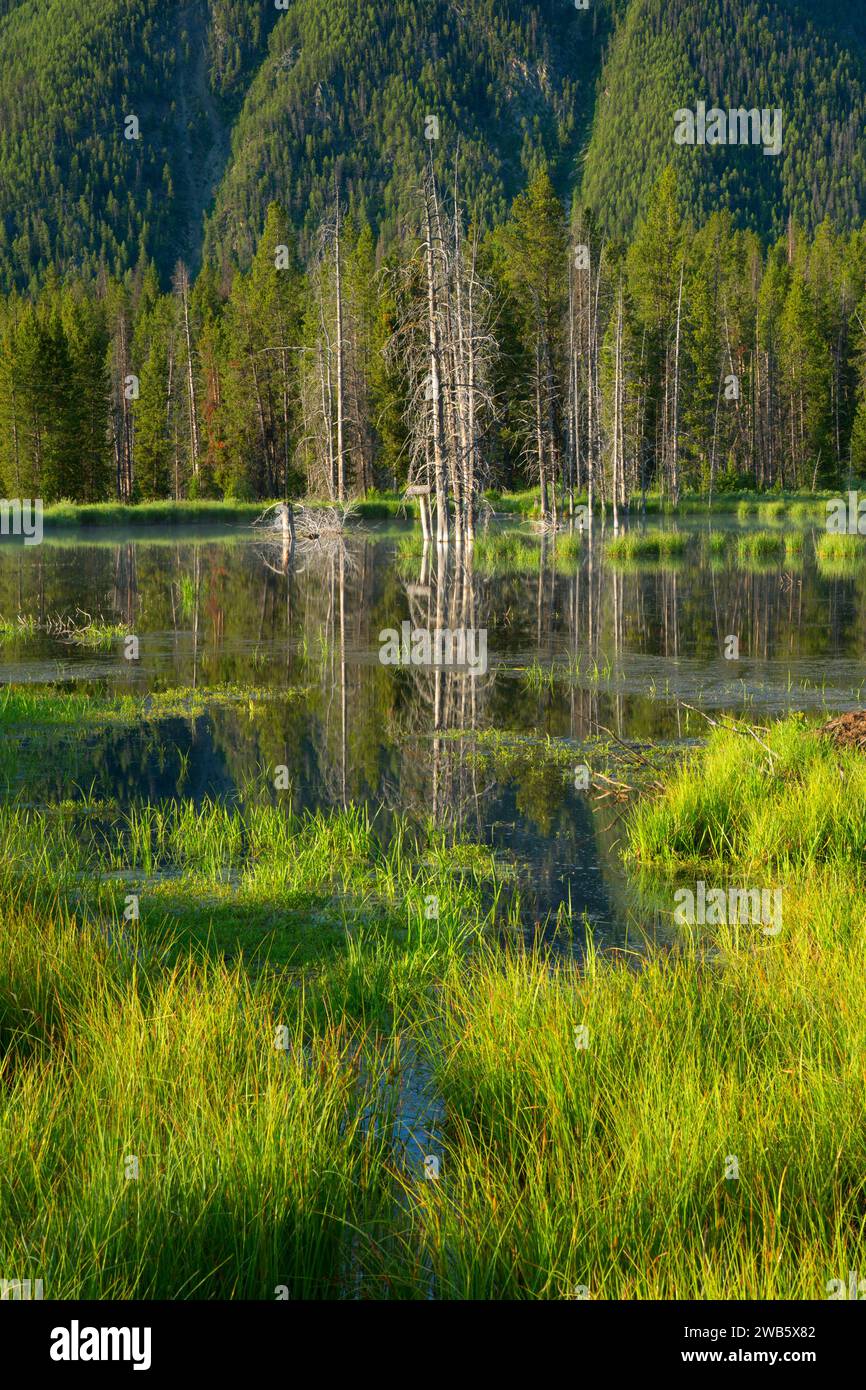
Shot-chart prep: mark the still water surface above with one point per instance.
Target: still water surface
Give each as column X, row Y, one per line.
column 576, row 653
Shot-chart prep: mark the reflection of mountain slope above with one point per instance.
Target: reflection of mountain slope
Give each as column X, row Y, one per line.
column 155, row 762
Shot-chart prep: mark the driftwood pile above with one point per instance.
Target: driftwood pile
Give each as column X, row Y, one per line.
column 310, row 526
column 295, row 530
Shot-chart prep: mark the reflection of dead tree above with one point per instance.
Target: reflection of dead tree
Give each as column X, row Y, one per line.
column 446, row 700
column 125, row 595
column 335, row 674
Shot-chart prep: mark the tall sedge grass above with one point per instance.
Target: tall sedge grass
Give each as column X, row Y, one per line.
column 601, row 1167
column 804, row 513
column 794, row 543
column 160, row 512
column 759, row 545
column 157, row 513
column 166, row 512
column 504, row 552
column 607, row 1167
column 35, row 705
column 25, row 627
column 257, row 880
column 178, row 1125
column 525, row 503
column 776, row 511
column 839, row 551
column 569, row 546
column 646, row 545
column 797, row 802
column 157, row 1144
column 604, row 1168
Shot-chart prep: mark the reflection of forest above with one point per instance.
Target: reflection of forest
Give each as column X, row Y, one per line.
column 211, row 612
column 467, row 752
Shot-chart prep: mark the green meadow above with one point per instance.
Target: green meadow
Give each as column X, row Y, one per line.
column 214, row 1016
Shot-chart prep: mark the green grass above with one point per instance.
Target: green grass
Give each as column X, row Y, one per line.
column 578, row 669
column 538, row 678
column 159, row 513
column 839, row 551
column 258, row 1166
column 507, row 552
column 785, row 800
column 800, row 508
column 646, row 545
column 98, row 635
column 23, row 706
column 759, row 548
column 381, row 506
column 526, row 503
column 502, row 551
column 254, row 878
column 776, row 511
column 717, row 542
column 794, row 543
column 604, row 1167
column 601, row 1167
column 806, row 513
column 569, row 547
column 199, row 512
column 23, row 629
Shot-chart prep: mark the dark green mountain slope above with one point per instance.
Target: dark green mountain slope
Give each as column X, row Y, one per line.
column 240, row 103
column 73, row 189
column 808, row 60
column 348, row 87
column 343, row 82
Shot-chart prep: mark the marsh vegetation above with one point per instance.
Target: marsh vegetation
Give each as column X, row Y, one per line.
column 279, row 925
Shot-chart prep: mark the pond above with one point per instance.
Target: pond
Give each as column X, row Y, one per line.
column 584, row 655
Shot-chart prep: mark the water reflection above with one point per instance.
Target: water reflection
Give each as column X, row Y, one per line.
column 576, row 648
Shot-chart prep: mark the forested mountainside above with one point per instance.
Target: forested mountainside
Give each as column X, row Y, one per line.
column 80, row 187
column 330, row 88
column 240, row 103
column 345, row 239
column 351, row 91
column 807, row 60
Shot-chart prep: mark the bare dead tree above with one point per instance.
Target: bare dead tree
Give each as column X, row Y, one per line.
column 445, row 338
